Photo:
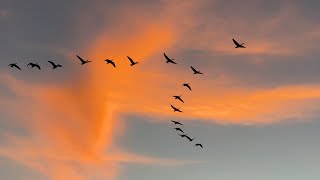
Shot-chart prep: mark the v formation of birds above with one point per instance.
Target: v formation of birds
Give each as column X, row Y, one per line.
column 132, row 63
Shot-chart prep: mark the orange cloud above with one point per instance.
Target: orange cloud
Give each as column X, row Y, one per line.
column 72, row 126
column 147, row 88
column 68, row 129
column 75, row 124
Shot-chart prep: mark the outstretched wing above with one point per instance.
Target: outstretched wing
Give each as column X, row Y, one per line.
column 235, row 42
column 80, row 59
column 194, row 70
column 166, row 57
column 173, row 107
column 17, row 66
column 38, row 67
column 52, row 63
column 113, row 64
column 130, row 60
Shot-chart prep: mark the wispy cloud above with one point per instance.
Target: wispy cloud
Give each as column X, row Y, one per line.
column 72, row 126
column 73, row 130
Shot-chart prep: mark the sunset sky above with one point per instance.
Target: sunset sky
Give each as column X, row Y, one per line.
column 255, row 110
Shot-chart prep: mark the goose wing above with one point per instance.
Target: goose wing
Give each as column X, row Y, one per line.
column 81, row 59
column 173, row 107
column 180, row 99
column 52, row 63
column 235, row 42
column 166, row 57
column 194, row 70
column 16, row 66
column 130, row 60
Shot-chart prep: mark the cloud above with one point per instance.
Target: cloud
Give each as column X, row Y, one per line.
column 74, row 122
column 154, row 83
column 71, row 126
column 66, row 130
column 264, row 30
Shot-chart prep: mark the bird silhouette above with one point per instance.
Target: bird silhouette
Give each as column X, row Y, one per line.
column 175, row 109
column 189, row 138
column 187, row 85
column 179, row 98
column 198, row 145
column 54, row 65
column 83, row 61
column 179, row 129
column 176, row 122
column 34, row 65
column 237, row 44
column 15, row 65
column 195, row 71
column 132, row 62
column 109, row 61
column 183, row 135
column 168, row 59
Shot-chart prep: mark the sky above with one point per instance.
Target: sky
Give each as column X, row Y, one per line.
column 254, row 110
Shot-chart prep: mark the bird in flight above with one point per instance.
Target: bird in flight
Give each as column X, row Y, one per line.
column 182, row 135
column 109, row 61
column 83, row 61
column 34, row 65
column 179, row 129
column 179, row 98
column 54, row 65
column 189, row 138
column 176, row 122
column 15, row 65
column 195, row 71
column 132, row 62
column 187, row 85
column 168, row 59
column 198, row 145
column 175, row 109
column 237, row 44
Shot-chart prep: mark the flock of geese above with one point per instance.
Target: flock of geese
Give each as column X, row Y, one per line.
column 132, row 63
column 187, row 85
column 175, row 109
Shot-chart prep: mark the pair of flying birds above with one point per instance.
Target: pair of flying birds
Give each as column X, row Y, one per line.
column 173, row 62
column 184, row 134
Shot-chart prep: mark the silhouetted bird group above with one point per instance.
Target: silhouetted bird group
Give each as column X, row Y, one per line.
column 179, row 97
column 109, row 61
column 54, row 66
column 132, row 63
column 82, row 61
column 184, row 135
